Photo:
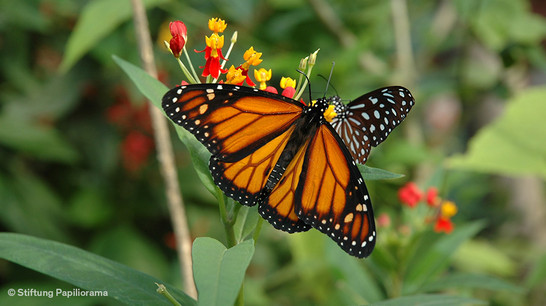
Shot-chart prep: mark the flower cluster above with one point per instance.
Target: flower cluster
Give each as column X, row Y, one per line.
column 213, row 71
column 134, row 122
column 442, row 210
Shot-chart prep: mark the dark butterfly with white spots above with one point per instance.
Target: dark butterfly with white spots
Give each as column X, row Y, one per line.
column 285, row 157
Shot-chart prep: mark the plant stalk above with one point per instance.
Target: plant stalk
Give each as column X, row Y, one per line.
column 165, row 155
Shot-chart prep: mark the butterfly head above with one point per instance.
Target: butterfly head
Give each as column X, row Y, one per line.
column 323, row 106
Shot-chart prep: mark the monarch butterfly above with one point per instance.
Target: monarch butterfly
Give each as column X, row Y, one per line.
column 287, row 158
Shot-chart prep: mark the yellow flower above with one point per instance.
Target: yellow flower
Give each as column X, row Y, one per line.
column 217, row 25
column 252, row 58
column 329, row 114
column 287, row 82
column 448, row 209
column 262, row 76
column 235, row 76
column 215, row 42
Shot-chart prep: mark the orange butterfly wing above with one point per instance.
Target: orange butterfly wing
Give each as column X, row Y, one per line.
column 243, row 180
column 332, row 197
column 246, row 131
column 231, row 121
column 279, row 206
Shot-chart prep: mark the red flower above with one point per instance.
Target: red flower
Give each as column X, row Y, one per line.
column 443, row 225
column 126, row 115
column 213, row 54
column 289, row 92
column 180, row 34
column 136, row 149
column 271, row 89
column 410, row 194
column 383, row 220
column 432, row 197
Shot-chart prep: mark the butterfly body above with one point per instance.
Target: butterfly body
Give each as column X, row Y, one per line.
column 285, row 157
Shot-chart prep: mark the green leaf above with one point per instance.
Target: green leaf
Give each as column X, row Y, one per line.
column 150, row 87
column 537, row 274
column 429, row 260
column 219, row 272
column 513, row 144
column 40, row 141
column 154, row 90
column 247, row 220
column 370, row 174
column 477, row 256
column 85, row 270
column 22, row 192
column 470, row 281
column 358, row 278
column 430, row 299
column 98, row 19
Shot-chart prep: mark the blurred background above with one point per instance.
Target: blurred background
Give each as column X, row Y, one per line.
column 78, row 158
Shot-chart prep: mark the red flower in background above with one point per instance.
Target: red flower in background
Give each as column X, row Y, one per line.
column 443, row 225
column 135, row 150
column 410, row 194
column 135, row 122
column 432, row 197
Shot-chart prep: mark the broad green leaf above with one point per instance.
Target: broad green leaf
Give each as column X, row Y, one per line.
column 219, row 272
column 513, row 144
column 430, row 299
column 98, row 19
column 150, row 87
column 429, row 260
column 371, row 174
column 86, row 270
column 358, row 278
column 154, row 90
column 42, row 142
column 470, row 281
column 21, row 192
column 478, row 256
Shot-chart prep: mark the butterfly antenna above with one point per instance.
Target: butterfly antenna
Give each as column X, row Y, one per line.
column 330, row 83
column 308, row 82
column 329, row 78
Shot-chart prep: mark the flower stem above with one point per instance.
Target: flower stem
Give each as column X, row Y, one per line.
column 186, row 72
column 226, row 220
column 195, row 76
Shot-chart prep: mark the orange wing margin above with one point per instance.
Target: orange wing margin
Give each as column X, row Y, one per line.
column 231, row 121
column 332, row 197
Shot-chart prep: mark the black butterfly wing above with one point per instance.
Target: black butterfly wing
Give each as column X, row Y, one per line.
column 368, row 120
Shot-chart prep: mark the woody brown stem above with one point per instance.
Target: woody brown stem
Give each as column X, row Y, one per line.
column 165, row 155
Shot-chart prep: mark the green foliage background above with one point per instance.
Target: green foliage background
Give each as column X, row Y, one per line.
column 476, row 68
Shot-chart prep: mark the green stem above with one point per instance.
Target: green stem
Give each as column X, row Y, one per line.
column 186, row 72
column 226, row 220
column 257, row 230
column 161, row 289
column 196, row 77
